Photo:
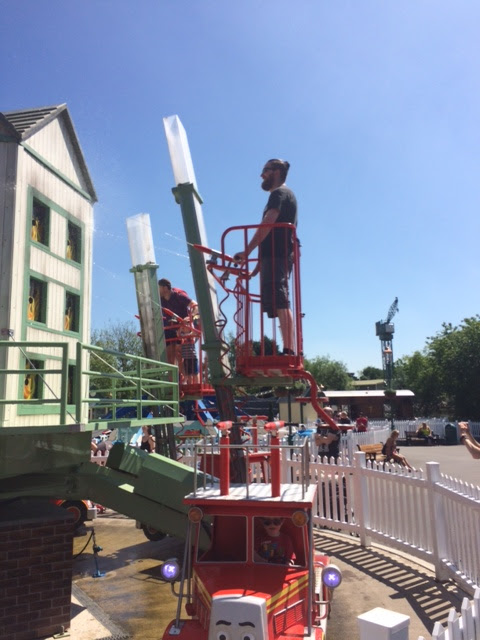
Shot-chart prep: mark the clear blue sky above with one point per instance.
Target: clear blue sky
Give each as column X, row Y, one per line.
column 375, row 104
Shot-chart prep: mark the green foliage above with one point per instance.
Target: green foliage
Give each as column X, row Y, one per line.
column 456, row 353
column 371, row 373
column 121, row 337
column 331, row 373
column 445, row 376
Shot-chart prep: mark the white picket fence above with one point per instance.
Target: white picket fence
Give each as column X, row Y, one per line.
column 460, row 626
column 381, row 624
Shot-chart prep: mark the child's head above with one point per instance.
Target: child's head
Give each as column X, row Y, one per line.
column 272, row 525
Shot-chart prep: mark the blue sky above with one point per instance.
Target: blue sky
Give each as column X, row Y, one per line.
column 375, row 104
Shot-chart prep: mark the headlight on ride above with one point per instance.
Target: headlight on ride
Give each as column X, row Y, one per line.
column 331, row 576
column 170, row 570
column 299, row 518
column 195, row 514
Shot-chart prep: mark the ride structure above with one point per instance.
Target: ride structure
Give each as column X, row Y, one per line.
column 385, row 329
column 247, row 583
column 255, row 363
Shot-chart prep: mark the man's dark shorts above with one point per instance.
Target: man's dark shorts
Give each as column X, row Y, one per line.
column 190, row 366
column 274, row 274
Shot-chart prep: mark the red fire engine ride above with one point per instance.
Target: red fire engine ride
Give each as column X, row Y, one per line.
column 241, row 579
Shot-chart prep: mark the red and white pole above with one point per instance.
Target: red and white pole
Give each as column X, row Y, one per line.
column 273, row 427
column 224, row 457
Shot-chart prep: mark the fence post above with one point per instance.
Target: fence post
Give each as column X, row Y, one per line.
column 360, row 492
column 437, row 522
column 350, row 446
column 382, row 624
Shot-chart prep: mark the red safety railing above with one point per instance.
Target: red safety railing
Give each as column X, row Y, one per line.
column 258, row 340
column 258, row 347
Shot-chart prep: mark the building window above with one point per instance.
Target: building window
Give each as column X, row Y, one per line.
column 32, row 383
column 36, row 305
column 72, row 312
column 74, row 242
column 40, row 222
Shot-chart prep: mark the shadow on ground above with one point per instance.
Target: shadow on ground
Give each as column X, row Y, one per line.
column 374, row 577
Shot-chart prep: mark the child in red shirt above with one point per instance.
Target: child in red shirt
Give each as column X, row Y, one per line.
column 271, row 545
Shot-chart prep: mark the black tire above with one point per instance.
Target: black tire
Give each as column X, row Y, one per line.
column 78, row 509
column 152, row 534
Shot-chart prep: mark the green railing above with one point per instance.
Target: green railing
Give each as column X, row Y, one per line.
column 126, row 398
column 148, row 393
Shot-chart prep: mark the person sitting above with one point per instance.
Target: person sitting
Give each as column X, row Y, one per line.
column 424, row 431
column 271, row 544
column 391, row 453
column 148, row 441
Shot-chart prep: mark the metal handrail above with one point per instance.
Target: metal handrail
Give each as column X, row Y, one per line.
column 150, row 384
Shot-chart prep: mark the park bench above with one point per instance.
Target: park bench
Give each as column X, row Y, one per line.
column 372, row 451
column 411, row 437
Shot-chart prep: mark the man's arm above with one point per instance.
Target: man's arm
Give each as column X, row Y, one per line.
column 260, row 234
column 469, row 441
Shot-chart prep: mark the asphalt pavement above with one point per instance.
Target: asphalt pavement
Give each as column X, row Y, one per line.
column 454, row 460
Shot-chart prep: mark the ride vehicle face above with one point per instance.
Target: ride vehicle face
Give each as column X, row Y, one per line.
column 236, row 616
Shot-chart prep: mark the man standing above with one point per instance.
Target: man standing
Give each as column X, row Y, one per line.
column 276, row 249
column 182, row 306
column 361, row 423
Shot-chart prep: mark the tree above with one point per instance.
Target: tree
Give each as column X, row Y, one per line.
column 331, row 373
column 445, row 376
column 371, row 373
column 456, row 354
column 121, row 337
column 418, row 373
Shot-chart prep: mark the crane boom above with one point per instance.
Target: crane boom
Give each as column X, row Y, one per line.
column 392, row 311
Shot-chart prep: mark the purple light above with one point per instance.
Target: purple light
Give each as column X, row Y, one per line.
column 170, row 570
column 331, row 577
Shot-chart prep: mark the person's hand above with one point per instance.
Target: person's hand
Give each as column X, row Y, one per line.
column 240, row 257
column 464, row 428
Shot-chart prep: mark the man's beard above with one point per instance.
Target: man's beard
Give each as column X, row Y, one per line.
column 267, row 183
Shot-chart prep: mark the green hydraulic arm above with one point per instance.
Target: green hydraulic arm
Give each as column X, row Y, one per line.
column 187, row 196
column 147, row 487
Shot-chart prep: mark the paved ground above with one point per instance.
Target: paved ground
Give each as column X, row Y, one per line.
column 130, row 601
column 454, row 460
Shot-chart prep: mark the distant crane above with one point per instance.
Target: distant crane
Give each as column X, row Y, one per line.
column 384, row 330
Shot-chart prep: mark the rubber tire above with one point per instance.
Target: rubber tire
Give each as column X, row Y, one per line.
column 78, row 509
column 152, row 534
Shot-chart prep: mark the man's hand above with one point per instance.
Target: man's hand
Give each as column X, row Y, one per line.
column 464, row 428
column 240, row 257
